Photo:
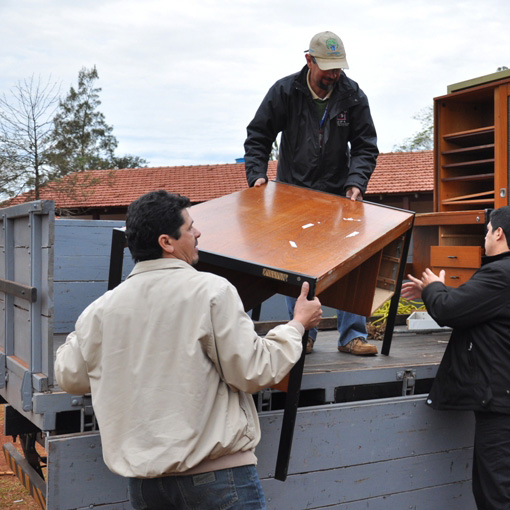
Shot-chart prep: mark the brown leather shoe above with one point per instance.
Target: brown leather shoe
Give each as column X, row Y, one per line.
column 309, row 345
column 359, row 347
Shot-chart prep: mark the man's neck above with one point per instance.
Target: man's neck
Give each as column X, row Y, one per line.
column 319, row 93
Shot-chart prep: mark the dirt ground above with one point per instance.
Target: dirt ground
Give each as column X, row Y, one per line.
column 13, row 496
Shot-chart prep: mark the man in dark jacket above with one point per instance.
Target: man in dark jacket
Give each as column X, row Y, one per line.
column 475, row 371
column 328, row 143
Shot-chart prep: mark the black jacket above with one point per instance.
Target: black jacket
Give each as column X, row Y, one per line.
column 475, row 370
column 289, row 108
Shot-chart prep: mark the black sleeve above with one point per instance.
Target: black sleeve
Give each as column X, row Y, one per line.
column 478, row 300
column 363, row 141
column 269, row 120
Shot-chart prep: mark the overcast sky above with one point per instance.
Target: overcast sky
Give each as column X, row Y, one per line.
column 181, row 79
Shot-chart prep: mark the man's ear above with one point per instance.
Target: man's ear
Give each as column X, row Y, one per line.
column 166, row 243
column 500, row 235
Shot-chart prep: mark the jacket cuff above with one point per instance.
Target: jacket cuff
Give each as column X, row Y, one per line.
column 298, row 326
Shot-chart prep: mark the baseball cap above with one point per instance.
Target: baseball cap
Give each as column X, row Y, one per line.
column 328, row 50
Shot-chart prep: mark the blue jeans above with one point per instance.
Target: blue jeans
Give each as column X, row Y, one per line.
column 349, row 325
column 227, row 489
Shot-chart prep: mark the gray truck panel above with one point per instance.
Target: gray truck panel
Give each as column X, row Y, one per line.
column 393, row 453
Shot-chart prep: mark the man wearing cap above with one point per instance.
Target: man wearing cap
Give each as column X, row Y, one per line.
column 328, row 143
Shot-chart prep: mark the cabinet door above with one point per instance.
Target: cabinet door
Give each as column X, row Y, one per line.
column 502, row 143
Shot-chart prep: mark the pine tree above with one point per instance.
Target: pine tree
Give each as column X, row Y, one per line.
column 82, row 139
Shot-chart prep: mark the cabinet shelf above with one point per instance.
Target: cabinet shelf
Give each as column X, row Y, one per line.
column 474, row 177
column 480, row 136
column 472, row 163
column 487, row 148
column 488, row 201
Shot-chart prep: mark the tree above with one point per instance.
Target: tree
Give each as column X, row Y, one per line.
column 422, row 140
column 26, row 123
column 129, row 161
column 82, row 138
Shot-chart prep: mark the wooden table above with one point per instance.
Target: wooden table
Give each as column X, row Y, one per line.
column 268, row 240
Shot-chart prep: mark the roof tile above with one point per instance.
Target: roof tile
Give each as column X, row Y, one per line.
column 399, row 172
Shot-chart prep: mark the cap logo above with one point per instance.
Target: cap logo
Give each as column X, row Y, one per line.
column 332, row 46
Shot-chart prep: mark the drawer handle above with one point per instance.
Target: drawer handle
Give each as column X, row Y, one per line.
column 452, row 256
column 454, row 277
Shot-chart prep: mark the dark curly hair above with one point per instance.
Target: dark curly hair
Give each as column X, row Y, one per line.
column 153, row 214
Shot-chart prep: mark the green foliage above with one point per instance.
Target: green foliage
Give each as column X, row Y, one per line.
column 44, row 138
column 129, row 161
column 82, row 138
column 422, row 140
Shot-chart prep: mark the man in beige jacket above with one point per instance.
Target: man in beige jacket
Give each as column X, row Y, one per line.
column 170, row 358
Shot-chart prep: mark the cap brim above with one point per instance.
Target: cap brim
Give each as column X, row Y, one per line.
column 326, row 64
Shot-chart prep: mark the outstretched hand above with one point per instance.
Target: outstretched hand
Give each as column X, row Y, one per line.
column 308, row 313
column 414, row 288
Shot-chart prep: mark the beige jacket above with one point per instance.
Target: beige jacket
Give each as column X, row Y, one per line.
column 169, row 357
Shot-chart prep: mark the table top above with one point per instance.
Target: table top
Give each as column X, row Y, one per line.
column 295, row 229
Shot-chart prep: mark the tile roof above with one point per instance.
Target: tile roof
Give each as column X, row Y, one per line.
column 402, row 172
column 395, row 173
column 118, row 188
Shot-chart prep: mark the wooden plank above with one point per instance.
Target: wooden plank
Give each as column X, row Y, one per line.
column 450, row 218
column 77, row 241
column 77, row 476
column 456, row 496
column 465, row 197
column 355, row 292
column 71, row 298
column 467, row 150
column 16, row 289
column 461, row 201
column 409, row 350
column 416, row 446
column 366, row 486
column 470, row 133
column 476, row 162
column 380, row 297
column 472, row 177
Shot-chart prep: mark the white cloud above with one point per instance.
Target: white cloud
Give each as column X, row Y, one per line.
column 181, row 80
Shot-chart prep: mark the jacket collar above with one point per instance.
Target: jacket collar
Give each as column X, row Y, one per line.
column 486, row 259
column 157, row 264
column 343, row 88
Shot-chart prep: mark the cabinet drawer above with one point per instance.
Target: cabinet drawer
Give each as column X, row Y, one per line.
column 453, row 276
column 456, row 256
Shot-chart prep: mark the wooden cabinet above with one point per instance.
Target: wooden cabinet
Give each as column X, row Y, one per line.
column 471, row 124
column 471, row 169
column 459, row 262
